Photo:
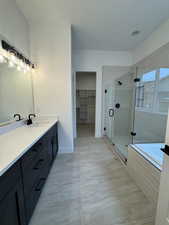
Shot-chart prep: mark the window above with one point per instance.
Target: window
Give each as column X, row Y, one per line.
column 152, row 92
column 140, row 96
column 164, row 73
column 145, row 91
column 149, row 77
column 163, row 90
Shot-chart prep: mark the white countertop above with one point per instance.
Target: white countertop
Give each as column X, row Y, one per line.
column 16, row 142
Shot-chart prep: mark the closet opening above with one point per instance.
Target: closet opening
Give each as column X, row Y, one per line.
column 85, row 103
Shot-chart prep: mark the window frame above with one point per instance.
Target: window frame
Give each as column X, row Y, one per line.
column 155, row 104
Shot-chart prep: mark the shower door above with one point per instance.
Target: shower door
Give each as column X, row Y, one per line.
column 121, row 136
column 109, row 110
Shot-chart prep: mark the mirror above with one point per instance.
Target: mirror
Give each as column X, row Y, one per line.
column 16, row 93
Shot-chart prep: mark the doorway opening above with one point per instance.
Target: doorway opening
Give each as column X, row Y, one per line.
column 85, row 103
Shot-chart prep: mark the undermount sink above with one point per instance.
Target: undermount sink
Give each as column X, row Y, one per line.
column 39, row 123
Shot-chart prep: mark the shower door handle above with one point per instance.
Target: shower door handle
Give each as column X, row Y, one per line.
column 111, row 112
column 117, row 105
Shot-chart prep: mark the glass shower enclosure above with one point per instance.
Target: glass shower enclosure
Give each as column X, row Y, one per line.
column 123, row 113
column 151, row 108
column 141, row 102
column 151, row 112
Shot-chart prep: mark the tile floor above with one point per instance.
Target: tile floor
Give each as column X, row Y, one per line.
column 91, row 187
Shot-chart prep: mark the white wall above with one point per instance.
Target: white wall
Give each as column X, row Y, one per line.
column 111, row 73
column 51, row 49
column 88, row 60
column 13, row 26
column 85, row 81
column 157, row 39
column 84, row 59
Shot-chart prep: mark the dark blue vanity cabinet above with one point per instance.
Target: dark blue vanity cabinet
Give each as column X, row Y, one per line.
column 12, row 208
column 21, row 185
column 35, row 167
column 53, row 142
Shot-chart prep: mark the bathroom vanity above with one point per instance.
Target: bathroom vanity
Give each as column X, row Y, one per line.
column 26, row 156
column 26, row 152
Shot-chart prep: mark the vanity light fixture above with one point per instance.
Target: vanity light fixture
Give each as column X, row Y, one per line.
column 14, row 58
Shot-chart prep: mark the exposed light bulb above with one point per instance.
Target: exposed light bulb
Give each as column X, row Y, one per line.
column 13, row 58
column 17, row 62
column 18, row 68
column 2, row 59
column 11, row 64
column 25, row 71
column 7, row 55
column 21, row 64
column 27, row 67
column 33, row 70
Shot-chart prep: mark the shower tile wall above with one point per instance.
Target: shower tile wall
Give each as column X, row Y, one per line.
column 86, row 106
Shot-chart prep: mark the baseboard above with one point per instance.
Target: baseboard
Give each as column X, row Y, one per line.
column 98, row 135
column 64, row 150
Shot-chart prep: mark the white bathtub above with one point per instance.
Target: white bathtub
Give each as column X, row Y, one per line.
column 144, row 166
column 151, row 152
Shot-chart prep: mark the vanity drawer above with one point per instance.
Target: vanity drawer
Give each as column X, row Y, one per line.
column 31, row 173
column 52, row 138
column 30, row 157
column 32, row 197
column 9, row 179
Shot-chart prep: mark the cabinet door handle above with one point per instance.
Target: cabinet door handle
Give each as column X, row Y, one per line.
column 38, row 164
column 40, row 184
